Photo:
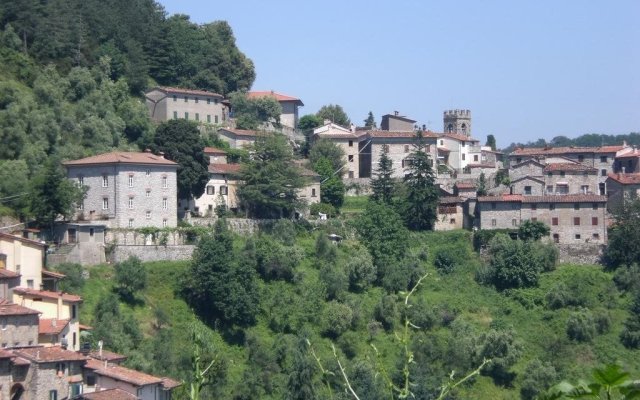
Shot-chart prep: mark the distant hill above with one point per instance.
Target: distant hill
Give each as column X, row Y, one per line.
column 587, row 140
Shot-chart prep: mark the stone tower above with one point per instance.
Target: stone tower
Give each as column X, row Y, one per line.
column 457, row 121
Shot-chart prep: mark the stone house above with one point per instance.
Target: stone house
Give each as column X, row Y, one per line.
column 165, row 103
column 220, row 190
column 397, row 123
column 557, row 176
column 290, row 106
column 399, row 146
column 353, row 143
column 53, row 372
column 573, row 218
column 239, row 138
column 127, row 189
column 451, row 214
column 61, row 307
column 216, row 156
column 627, row 163
column 8, row 281
column 621, row 188
column 19, row 325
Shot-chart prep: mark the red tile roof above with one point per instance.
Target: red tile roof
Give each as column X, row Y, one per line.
column 626, row 179
column 481, row 165
column 107, row 356
column 507, row 198
column 121, row 373
column 214, row 150
column 122, row 157
column 534, row 151
column 568, row 167
column 109, row 394
column 21, row 239
column 6, row 274
column 5, row 354
column 225, row 168
column 52, row 274
column 450, row 200
column 168, row 383
column 345, row 135
column 444, row 150
column 49, row 354
column 465, row 185
column 401, row 134
column 566, row 198
column 631, row 154
column 458, row 136
column 52, row 326
column 47, row 294
column 7, row 308
column 169, row 89
column 277, row 96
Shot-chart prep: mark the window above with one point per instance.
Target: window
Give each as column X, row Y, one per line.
column 549, row 189
column 554, row 221
column 30, row 283
column 130, row 180
column 223, row 190
column 208, row 101
column 527, row 190
column 165, row 203
column 576, row 206
column 494, row 222
column 164, row 182
column 493, row 206
column 580, row 158
column 147, row 214
column 73, row 311
column 76, row 389
column 350, row 143
column 350, row 157
column 594, row 221
column 208, row 118
column 61, row 368
column 147, row 172
column 81, row 205
column 534, row 207
column 53, row 395
column 130, row 203
column 556, row 238
column 186, row 115
column 91, row 380
column 514, row 222
column 197, row 100
column 442, row 143
column 175, row 98
column 105, row 180
column 186, row 99
column 562, row 189
column 216, row 119
column 584, row 189
column 475, row 157
column 313, row 192
column 197, row 116
column 130, row 223
column 549, row 174
column 463, row 144
column 175, row 115
column 576, row 221
column 164, row 223
column 351, row 174
column 596, row 236
column 215, row 101
column 562, row 173
column 603, row 158
column 577, row 236
column 91, row 232
column 452, row 221
column 105, row 203
column 518, row 160
column 80, row 180
column 3, row 323
column 463, row 156
column 406, row 148
column 552, row 206
column 147, row 193
column 594, row 206
column 211, row 189
column 603, row 172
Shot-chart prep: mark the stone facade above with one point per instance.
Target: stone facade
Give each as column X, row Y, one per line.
column 165, row 103
column 457, row 121
column 152, row 253
column 450, row 214
column 124, row 190
column 19, row 328
column 289, row 104
column 621, row 188
column 399, row 146
column 396, row 122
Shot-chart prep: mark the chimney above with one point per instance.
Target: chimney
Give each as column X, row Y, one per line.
column 624, row 143
column 396, row 113
column 161, row 154
column 353, row 128
column 326, row 121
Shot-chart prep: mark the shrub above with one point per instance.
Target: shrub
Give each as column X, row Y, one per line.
column 325, row 250
column 538, row 377
column 559, row 296
column 360, row 269
column 284, row 230
column 546, row 255
column 630, row 335
column 482, row 237
column 276, row 261
column 386, row 311
column 335, row 281
column 445, row 260
column 130, row 277
column 504, row 351
column 628, row 278
column 513, row 263
column 336, row 319
column 324, row 208
column 348, row 343
column 73, row 280
column 581, row 325
column 533, row 230
column 421, row 315
column 602, row 319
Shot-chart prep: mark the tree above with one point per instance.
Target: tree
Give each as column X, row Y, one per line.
column 335, row 114
column 130, row 277
column 253, row 113
column 383, row 185
column 14, row 186
column 370, row 122
column 421, row 204
column 221, row 283
column 532, row 230
column 306, row 125
column 270, row 180
column 53, row 195
column 491, row 142
column 624, row 235
column 482, row 185
column 73, row 280
column 332, row 188
column 181, row 142
column 630, row 335
column 325, row 148
column 301, row 372
column 538, row 377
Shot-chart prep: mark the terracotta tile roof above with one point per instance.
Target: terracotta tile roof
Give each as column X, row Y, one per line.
column 568, row 167
column 109, row 394
column 277, row 96
column 232, row 169
column 481, row 165
column 507, row 198
column 465, row 185
column 401, row 134
column 7, row 308
column 168, row 383
column 19, row 361
column 123, row 374
column 450, row 199
column 48, row 354
column 631, row 154
column 566, row 198
column 21, row 239
column 541, row 151
column 444, row 150
column 107, row 356
column 5, row 354
column 47, row 294
column 6, row 274
column 626, row 179
column 345, row 135
column 51, row 326
column 52, row 274
column 214, row 150
column 122, row 157
column 243, row 132
column 169, row 89
column 528, row 161
column 458, row 136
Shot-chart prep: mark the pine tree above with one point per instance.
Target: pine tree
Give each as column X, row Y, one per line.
column 370, row 122
column 420, row 205
column 383, row 184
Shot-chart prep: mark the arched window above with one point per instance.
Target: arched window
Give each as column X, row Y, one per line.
column 450, row 128
column 464, row 128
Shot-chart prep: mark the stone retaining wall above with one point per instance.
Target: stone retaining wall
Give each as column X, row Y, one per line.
column 152, row 253
column 587, row 253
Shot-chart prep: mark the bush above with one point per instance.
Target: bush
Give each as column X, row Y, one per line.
column 130, row 277
column 386, row 312
column 630, row 335
column 546, row 255
column 336, row 319
column 335, row 281
column 348, row 343
column 73, row 281
column 559, row 296
column 627, row 279
column 504, row 351
column 325, row 250
column 533, row 230
column 360, row 270
column 324, row 208
column 581, row 326
column 602, row 320
column 421, row 315
column 513, row 263
column 538, row 377
column 284, row 230
column 446, row 260
column 482, row 237
column 276, row 261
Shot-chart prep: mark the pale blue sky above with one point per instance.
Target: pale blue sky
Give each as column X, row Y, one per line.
column 525, row 69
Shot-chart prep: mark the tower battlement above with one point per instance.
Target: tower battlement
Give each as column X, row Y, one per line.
column 457, row 121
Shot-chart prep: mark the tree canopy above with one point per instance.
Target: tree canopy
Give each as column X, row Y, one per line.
column 382, row 184
column 335, row 114
column 253, row 113
column 624, row 235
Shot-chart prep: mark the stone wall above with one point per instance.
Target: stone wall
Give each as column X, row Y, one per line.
column 586, row 253
column 152, row 253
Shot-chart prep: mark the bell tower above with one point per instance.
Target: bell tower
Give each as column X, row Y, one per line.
column 457, row 121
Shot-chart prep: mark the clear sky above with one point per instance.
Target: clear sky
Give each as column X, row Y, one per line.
column 525, row 69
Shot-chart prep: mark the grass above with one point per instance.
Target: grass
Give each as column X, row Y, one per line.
column 354, row 204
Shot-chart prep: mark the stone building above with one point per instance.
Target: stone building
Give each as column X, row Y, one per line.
column 399, row 146
column 290, row 106
column 457, row 122
column 457, row 151
column 622, row 188
column 627, row 163
column 451, row 214
column 573, row 218
column 19, row 325
column 397, row 123
column 353, row 143
column 165, row 103
column 557, row 176
column 220, row 190
column 127, row 189
column 239, row 138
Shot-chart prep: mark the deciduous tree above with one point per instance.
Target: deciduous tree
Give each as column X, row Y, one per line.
column 335, row 114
